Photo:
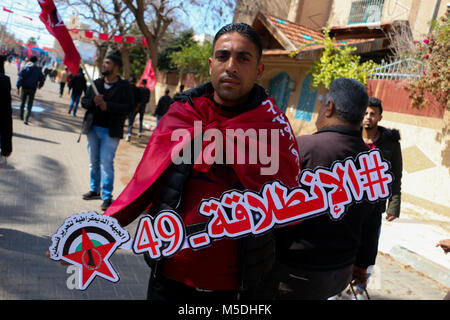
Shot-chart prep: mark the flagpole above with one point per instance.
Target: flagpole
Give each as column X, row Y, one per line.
column 94, row 87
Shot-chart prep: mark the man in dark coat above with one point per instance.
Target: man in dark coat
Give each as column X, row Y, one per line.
column 317, row 257
column 30, row 79
column 163, row 105
column 78, row 85
column 388, row 141
column 5, row 114
column 103, row 124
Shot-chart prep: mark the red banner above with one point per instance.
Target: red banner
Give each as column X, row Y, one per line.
column 118, row 39
column 55, row 25
column 7, row 10
column 88, row 34
column 149, row 75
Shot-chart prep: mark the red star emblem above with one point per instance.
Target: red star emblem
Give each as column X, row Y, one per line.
column 93, row 261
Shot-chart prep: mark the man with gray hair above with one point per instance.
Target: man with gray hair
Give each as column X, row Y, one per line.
column 317, row 257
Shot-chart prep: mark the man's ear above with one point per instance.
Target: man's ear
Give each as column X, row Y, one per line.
column 330, row 109
column 209, row 63
column 260, row 71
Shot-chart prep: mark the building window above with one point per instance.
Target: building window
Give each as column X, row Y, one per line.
column 366, row 11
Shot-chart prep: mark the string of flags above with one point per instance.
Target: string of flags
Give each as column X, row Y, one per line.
column 101, row 36
column 10, row 11
column 106, row 37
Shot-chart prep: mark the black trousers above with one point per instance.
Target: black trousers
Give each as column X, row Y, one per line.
column 163, row 289
column 299, row 284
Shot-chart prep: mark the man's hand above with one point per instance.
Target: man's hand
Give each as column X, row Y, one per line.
column 62, row 262
column 390, row 217
column 445, row 245
column 360, row 276
column 98, row 100
column 18, row 91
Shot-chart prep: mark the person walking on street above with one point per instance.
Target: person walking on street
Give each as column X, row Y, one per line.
column 318, row 257
column 163, row 105
column 78, row 85
column 103, row 124
column 63, row 76
column 30, row 79
column 144, row 94
column 228, row 269
column 132, row 115
column 5, row 114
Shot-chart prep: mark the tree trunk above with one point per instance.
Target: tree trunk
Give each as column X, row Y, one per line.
column 125, row 53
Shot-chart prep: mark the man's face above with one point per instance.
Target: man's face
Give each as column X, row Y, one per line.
column 234, row 68
column 108, row 67
column 371, row 118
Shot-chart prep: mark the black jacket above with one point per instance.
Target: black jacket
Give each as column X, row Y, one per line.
column 120, row 102
column 78, row 84
column 389, row 145
column 320, row 243
column 256, row 255
column 5, row 115
column 163, row 105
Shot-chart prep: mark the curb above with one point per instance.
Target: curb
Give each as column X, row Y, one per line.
column 424, row 265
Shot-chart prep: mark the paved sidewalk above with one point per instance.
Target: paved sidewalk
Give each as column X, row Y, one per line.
column 48, row 171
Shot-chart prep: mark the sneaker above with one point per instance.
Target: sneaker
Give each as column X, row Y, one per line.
column 106, row 203
column 91, row 195
column 127, row 139
column 139, row 134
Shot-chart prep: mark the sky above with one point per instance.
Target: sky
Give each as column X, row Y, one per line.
column 24, row 29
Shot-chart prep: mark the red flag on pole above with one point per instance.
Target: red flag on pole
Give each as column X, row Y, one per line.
column 55, row 25
column 7, row 10
column 149, row 75
column 29, row 49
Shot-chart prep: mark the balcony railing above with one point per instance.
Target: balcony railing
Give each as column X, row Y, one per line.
column 366, row 11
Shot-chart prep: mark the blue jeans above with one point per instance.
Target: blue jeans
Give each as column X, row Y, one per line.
column 102, row 149
column 74, row 104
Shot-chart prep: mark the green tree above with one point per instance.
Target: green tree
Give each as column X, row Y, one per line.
column 193, row 59
column 174, row 44
column 337, row 61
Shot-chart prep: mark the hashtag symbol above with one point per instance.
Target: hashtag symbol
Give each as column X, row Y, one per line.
column 374, row 175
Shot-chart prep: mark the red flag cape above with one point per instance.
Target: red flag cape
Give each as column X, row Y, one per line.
column 136, row 196
column 54, row 24
column 149, row 75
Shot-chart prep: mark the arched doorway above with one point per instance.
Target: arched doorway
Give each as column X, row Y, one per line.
column 279, row 90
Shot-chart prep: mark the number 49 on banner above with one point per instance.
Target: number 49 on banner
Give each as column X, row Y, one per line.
column 162, row 236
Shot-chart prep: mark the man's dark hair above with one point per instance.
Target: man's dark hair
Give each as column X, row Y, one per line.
column 33, row 58
column 144, row 82
column 375, row 102
column 350, row 99
column 244, row 30
column 115, row 59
